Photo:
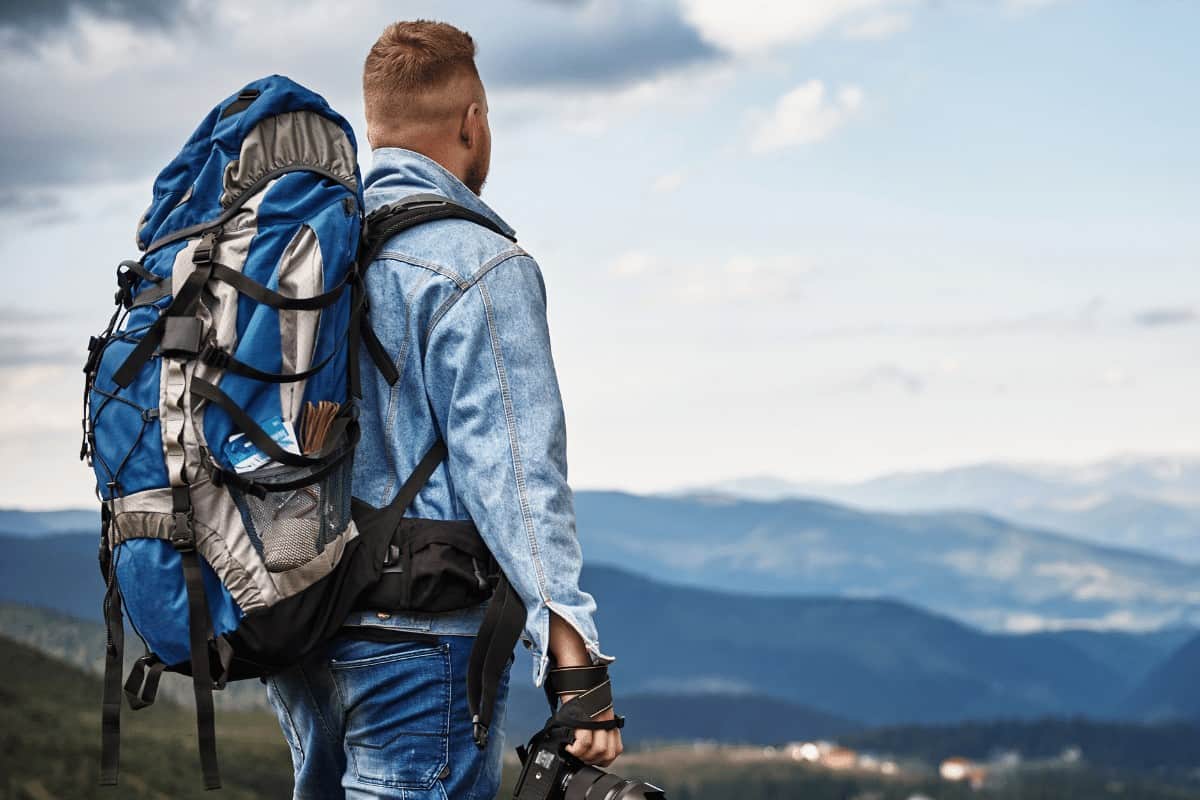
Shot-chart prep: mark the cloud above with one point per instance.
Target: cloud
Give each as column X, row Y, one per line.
column 115, row 98
column 605, row 43
column 733, row 280
column 887, row 377
column 668, row 182
column 879, row 26
column 803, row 116
column 17, row 350
column 593, row 111
column 1116, row 378
column 635, row 262
column 1162, row 317
column 1081, row 318
column 43, row 15
column 743, row 29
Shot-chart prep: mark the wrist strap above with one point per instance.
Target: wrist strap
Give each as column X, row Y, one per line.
column 593, row 690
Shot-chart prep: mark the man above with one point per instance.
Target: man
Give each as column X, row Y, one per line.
column 462, row 311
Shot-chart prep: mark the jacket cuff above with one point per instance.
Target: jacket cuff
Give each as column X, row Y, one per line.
column 537, row 636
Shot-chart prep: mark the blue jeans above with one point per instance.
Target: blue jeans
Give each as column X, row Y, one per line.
column 367, row 719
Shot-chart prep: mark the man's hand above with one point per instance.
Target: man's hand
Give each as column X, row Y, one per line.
column 596, row 747
column 591, row 747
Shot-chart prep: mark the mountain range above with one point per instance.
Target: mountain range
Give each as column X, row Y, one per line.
column 830, row 661
column 978, row 568
column 1145, row 503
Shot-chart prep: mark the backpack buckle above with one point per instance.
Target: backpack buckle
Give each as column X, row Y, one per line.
column 202, row 256
column 182, row 538
column 214, row 356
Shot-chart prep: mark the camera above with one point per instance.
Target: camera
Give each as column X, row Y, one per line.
column 548, row 772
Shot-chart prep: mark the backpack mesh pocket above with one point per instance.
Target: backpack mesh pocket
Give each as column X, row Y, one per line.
column 292, row 527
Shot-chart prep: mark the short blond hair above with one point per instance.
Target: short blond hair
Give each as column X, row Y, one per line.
column 411, row 59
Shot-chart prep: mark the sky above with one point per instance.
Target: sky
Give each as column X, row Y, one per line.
column 818, row 241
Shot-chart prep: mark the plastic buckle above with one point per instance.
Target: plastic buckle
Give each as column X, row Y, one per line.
column 181, row 536
column 95, row 349
column 214, row 356
column 202, row 255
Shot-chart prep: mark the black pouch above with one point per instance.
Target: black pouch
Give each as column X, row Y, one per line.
column 432, row 565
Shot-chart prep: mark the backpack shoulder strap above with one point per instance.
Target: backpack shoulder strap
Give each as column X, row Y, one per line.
column 381, row 225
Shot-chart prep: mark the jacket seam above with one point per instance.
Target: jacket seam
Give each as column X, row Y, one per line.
column 446, row 272
column 513, row 443
column 450, row 302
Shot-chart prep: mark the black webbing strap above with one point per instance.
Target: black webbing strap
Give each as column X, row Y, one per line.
column 216, row 357
column 261, row 439
column 182, row 305
column 150, row 296
column 498, row 635
column 418, row 478
column 138, row 269
column 261, row 294
column 572, row 680
column 199, row 632
column 378, row 353
column 110, row 710
column 385, row 222
column 141, row 687
column 260, row 489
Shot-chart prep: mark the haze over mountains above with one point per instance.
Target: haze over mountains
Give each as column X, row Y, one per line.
column 977, row 568
column 835, row 661
column 746, row 597
column 1145, row 503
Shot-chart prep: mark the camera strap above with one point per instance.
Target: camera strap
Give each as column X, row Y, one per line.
column 593, row 696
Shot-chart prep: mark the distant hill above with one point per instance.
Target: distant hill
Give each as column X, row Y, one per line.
column 976, row 568
column 32, row 523
column 979, row 569
column 872, row 660
column 857, row 659
column 80, row 643
column 1172, row 690
column 50, row 734
column 49, row 727
column 729, row 718
column 58, row 571
column 1132, row 655
column 1150, row 504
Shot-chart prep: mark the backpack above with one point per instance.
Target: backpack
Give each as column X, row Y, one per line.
column 220, row 420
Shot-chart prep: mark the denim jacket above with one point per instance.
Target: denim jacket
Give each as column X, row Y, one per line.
column 462, row 311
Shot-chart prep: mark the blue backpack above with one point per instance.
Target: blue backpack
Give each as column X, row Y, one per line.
column 220, row 414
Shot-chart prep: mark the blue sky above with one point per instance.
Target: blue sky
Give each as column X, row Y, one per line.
column 819, row 240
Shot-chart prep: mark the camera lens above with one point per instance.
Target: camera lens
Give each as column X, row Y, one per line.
column 635, row 789
column 603, row 785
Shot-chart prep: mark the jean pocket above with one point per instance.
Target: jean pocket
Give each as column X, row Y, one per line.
column 397, row 710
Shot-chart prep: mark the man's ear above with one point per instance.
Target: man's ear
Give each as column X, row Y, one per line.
column 469, row 132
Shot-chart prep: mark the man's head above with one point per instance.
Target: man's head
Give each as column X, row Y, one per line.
column 422, row 92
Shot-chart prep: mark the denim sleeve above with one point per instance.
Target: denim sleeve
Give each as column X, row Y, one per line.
column 494, row 391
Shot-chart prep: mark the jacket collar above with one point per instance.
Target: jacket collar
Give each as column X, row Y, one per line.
column 396, row 172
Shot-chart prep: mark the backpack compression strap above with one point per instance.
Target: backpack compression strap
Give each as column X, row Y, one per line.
column 380, row 225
